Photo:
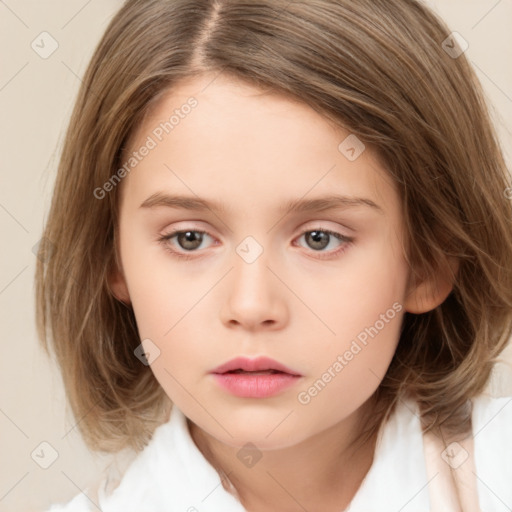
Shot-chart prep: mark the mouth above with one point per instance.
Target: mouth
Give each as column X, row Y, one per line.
column 260, row 365
column 260, row 372
column 254, row 378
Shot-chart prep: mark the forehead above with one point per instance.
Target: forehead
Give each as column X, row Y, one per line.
column 219, row 137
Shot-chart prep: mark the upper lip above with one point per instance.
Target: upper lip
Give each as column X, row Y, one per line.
column 253, row 365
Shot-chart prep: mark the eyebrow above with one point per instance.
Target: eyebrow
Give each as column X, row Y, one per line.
column 329, row 202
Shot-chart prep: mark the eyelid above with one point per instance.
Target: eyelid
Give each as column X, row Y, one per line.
column 344, row 240
column 307, row 226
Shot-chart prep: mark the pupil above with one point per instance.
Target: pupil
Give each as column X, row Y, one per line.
column 190, row 239
column 317, row 237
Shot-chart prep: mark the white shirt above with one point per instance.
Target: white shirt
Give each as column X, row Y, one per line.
column 172, row 475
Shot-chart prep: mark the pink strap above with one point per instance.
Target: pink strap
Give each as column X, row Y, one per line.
column 451, row 474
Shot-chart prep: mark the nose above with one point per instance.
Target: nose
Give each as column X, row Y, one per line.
column 255, row 298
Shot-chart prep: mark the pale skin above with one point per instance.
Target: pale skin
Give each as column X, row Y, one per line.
column 296, row 303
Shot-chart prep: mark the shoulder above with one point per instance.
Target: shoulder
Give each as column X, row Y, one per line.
column 80, row 503
column 125, row 469
column 492, row 421
column 493, row 411
column 492, row 435
column 169, row 474
column 397, row 479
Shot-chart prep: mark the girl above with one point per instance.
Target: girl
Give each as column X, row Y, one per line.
column 281, row 261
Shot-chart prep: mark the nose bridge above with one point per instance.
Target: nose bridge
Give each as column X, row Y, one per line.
column 254, row 296
column 251, row 273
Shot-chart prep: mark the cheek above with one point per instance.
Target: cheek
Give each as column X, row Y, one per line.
column 162, row 290
column 367, row 286
column 348, row 368
column 365, row 310
column 170, row 302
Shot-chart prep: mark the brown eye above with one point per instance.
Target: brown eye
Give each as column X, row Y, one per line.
column 317, row 239
column 189, row 240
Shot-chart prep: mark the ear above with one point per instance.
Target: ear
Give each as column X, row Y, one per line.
column 432, row 291
column 117, row 285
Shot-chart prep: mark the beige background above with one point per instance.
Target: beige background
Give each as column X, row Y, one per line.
column 36, row 98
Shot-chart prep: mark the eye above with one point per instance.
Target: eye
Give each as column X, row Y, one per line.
column 181, row 242
column 318, row 239
column 188, row 240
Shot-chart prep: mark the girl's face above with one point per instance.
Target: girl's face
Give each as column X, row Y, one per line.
column 319, row 288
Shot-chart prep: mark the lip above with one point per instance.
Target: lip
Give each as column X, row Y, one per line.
column 254, row 365
column 257, row 385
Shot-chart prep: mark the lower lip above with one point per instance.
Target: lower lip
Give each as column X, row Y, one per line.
column 255, row 386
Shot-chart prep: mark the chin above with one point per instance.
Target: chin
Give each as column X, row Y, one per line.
column 266, row 433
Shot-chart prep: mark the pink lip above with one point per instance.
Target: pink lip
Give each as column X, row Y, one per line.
column 253, row 365
column 256, row 385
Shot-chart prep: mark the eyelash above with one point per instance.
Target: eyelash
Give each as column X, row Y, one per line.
column 347, row 241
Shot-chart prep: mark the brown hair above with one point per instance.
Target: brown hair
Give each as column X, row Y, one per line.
column 375, row 67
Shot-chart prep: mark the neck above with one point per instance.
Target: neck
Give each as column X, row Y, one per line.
column 322, row 472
